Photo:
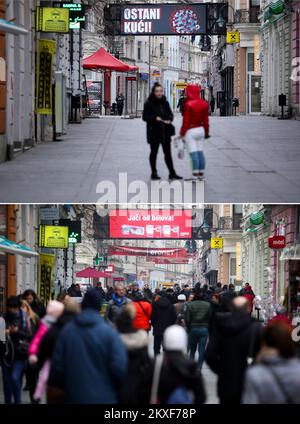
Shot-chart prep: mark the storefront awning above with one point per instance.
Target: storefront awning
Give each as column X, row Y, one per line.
column 11, row 28
column 101, row 59
column 291, row 253
column 90, row 272
column 8, row 246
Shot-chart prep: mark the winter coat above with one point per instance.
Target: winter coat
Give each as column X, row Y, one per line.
column 197, row 314
column 38, row 337
column 163, row 315
column 263, row 387
column 140, row 369
column 226, row 298
column 180, row 371
column 21, row 338
column 235, row 337
column 195, row 112
column 142, row 317
column 89, row 362
column 48, row 343
column 157, row 131
column 114, row 307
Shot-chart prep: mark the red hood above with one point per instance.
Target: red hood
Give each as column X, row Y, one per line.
column 193, row 92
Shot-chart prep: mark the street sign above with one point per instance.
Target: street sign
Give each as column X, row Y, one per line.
column 216, row 243
column 233, row 37
column 181, row 85
column 49, row 214
column 110, row 269
column 131, row 78
column 277, row 242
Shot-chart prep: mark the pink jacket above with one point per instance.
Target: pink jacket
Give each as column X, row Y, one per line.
column 38, row 337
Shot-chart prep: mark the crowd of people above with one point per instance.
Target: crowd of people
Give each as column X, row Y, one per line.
column 100, row 350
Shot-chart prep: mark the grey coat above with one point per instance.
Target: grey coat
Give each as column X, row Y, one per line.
column 262, row 387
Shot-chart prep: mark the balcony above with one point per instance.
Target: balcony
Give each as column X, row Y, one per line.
column 247, row 16
column 230, row 223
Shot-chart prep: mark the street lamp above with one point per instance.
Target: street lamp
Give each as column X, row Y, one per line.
column 221, row 22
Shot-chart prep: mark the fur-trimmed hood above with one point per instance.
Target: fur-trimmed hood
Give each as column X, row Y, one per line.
column 136, row 340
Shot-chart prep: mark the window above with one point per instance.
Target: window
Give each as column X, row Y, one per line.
column 161, row 49
column 250, row 62
column 139, row 52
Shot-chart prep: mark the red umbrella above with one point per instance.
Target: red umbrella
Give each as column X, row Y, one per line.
column 101, row 59
column 90, row 272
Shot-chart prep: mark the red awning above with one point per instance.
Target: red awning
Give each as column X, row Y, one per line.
column 91, row 273
column 101, row 59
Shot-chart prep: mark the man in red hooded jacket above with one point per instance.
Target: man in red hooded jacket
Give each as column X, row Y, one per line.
column 195, row 127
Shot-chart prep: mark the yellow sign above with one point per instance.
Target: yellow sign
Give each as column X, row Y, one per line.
column 233, row 37
column 45, row 55
column 181, row 85
column 216, row 243
column 54, row 236
column 46, row 277
column 52, row 19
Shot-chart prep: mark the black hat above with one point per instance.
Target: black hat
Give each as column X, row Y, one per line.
column 92, row 300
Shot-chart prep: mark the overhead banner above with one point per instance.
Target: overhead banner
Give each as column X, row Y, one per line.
column 45, row 56
column 46, row 273
column 163, row 19
column 150, row 224
column 143, row 251
column 168, row 261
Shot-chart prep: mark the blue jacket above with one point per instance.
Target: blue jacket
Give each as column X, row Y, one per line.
column 89, row 362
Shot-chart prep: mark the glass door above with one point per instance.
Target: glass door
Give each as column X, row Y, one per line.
column 254, row 93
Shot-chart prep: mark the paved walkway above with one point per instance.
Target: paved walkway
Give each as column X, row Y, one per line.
column 249, row 159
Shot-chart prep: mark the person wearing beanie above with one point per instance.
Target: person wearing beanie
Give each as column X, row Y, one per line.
column 89, row 361
column 180, row 308
column 137, row 384
column 180, row 381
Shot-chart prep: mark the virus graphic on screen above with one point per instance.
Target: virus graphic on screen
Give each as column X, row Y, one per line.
column 184, row 20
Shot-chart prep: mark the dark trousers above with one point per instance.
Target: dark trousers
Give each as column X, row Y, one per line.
column 166, row 146
column 157, row 344
column 12, row 381
column 120, row 109
column 198, row 338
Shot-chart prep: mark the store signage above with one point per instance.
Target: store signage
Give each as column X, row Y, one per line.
column 49, row 214
column 233, row 37
column 216, row 243
column 181, row 85
column 45, row 56
column 277, row 242
column 46, row 273
column 110, row 269
column 54, row 236
column 131, row 78
column 74, row 229
column 150, row 224
column 163, row 19
column 143, row 251
column 52, row 19
column 77, row 13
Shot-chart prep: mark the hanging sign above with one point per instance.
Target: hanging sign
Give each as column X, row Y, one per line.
column 163, row 19
column 277, row 242
column 233, row 37
column 216, row 243
column 46, row 277
column 54, row 236
column 45, row 55
column 52, row 19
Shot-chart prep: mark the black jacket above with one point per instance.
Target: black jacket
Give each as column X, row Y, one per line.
column 157, row 131
column 20, row 339
column 234, row 337
column 180, row 371
column 163, row 315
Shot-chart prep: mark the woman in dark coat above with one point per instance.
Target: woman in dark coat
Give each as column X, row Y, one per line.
column 158, row 115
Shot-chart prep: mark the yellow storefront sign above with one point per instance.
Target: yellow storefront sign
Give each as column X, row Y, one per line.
column 45, row 56
column 216, row 243
column 54, row 236
column 233, row 37
column 52, row 19
column 46, row 272
column 181, row 85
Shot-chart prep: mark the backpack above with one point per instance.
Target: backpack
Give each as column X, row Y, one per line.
column 180, row 396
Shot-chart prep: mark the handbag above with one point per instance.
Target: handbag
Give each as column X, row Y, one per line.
column 171, row 130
